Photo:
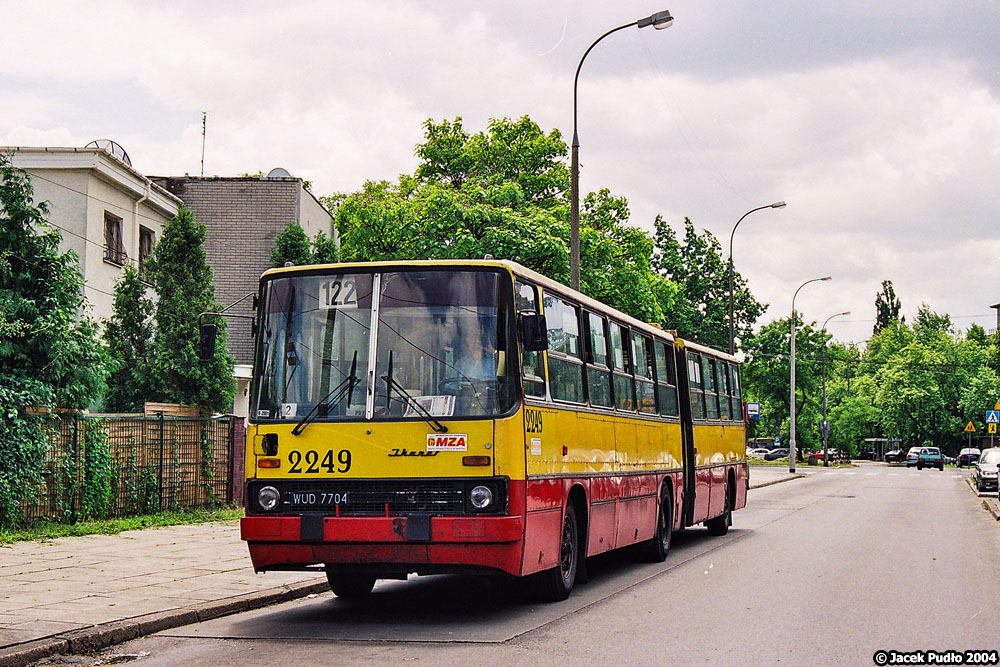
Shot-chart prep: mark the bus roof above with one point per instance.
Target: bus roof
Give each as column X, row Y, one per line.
column 517, row 270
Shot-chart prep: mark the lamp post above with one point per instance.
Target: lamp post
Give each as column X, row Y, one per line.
column 791, row 403
column 732, row 339
column 659, row 21
column 825, row 427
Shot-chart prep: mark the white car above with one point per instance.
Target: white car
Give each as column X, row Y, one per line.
column 757, row 453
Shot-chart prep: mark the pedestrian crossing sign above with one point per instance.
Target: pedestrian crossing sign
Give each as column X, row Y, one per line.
column 969, row 428
column 991, row 428
column 993, row 416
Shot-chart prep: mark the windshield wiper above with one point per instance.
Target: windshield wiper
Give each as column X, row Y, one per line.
column 345, row 388
column 391, row 383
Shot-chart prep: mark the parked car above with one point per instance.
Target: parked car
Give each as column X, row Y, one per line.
column 985, row 472
column 776, row 453
column 758, row 452
column 968, row 457
column 894, row 456
column 930, row 457
column 817, row 457
column 912, row 456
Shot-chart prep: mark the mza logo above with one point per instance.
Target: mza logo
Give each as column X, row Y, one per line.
column 447, row 442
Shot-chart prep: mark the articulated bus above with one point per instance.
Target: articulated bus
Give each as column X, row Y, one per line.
column 475, row 416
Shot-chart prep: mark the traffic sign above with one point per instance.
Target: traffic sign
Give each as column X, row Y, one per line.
column 997, row 406
column 753, row 410
column 993, row 416
column 991, row 428
column 969, row 428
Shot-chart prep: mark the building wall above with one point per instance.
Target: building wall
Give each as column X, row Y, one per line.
column 80, row 185
column 243, row 217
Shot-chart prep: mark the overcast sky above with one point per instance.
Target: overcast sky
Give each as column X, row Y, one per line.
column 878, row 123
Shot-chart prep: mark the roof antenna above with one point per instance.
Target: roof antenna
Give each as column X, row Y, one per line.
column 203, row 126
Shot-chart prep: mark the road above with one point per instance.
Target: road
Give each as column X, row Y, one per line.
column 826, row 569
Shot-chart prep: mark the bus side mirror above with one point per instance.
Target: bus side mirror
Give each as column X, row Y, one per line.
column 206, row 342
column 534, row 335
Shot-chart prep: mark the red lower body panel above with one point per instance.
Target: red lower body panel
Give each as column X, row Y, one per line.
column 461, row 542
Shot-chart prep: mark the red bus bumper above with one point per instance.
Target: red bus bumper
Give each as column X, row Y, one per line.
column 456, row 543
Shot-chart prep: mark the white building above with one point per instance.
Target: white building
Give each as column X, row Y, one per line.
column 107, row 212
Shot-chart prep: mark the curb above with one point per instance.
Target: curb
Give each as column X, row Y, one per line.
column 992, row 504
column 792, row 476
column 97, row 637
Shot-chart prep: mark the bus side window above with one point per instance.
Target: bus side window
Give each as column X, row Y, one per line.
column 711, row 391
column 532, row 363
column 642, row 348
column 722, row 386
column 666, row 382
column 734, row 392
column 624, row 400
column 598, row 367
column 565, row 353
column 697, row 393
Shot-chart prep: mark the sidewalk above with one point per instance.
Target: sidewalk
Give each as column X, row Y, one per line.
column 78, row 594
column 768, row 475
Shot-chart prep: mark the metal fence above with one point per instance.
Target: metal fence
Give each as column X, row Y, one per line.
column 124, row 465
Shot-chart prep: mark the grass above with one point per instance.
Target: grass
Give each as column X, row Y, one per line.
column 48, row 530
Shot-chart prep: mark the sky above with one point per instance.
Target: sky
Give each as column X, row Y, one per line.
column 878, row 123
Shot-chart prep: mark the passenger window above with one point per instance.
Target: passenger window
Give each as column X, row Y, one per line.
column 711, row 395
column 697, row 392
column 666, row 390
column 565, row 359
column 598, row 372
column 532, row 363
column 624, row 398
column 645, row 391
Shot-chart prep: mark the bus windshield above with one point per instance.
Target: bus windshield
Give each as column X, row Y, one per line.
column 441, row 344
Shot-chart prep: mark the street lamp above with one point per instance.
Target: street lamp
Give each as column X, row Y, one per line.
column 824, row 427
column 791, row 446
column 659, row 21
column 732, row 340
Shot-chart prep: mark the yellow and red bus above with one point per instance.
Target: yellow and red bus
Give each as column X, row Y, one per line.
column 475, row 416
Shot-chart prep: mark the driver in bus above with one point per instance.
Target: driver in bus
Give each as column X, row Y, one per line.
column 478, row 361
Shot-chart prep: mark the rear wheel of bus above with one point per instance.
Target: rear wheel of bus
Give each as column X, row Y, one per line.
column 656, row 549
column 557, row 583
column 350, row 586
column 720, row 524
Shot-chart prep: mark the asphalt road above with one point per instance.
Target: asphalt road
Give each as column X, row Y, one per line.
column 826, row 569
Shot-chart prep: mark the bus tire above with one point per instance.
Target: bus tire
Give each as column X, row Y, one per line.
column 720, row 524
column 656, row 549
column 556, row 584
column 350, row 586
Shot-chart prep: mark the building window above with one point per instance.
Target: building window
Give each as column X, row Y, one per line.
column 114, row 248
column 146, row 239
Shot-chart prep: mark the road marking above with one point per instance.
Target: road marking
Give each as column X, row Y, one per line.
column 870, row 474
column 892, row 474
column 848, row 473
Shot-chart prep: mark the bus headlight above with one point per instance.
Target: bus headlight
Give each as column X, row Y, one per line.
column 481, row 497
column 268, row 498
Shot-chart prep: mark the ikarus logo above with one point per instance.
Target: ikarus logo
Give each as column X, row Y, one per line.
column 447, row 442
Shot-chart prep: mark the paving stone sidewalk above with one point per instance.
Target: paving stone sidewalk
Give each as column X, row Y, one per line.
column 82, row 588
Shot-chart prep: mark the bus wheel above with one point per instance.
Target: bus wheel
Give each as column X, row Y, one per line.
column 350, row 586
column 720, row 524
column 556, row 584
column 656, row 549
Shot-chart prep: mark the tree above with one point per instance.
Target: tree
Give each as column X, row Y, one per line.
column 502, row 192
column 50, row 352
column 129, row 335
column 701, row 309
column 887, row 307
column 183, row 282
column 767, row 376
column 293, row 246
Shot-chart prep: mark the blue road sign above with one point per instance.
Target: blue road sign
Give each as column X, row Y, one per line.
column 993, row 416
